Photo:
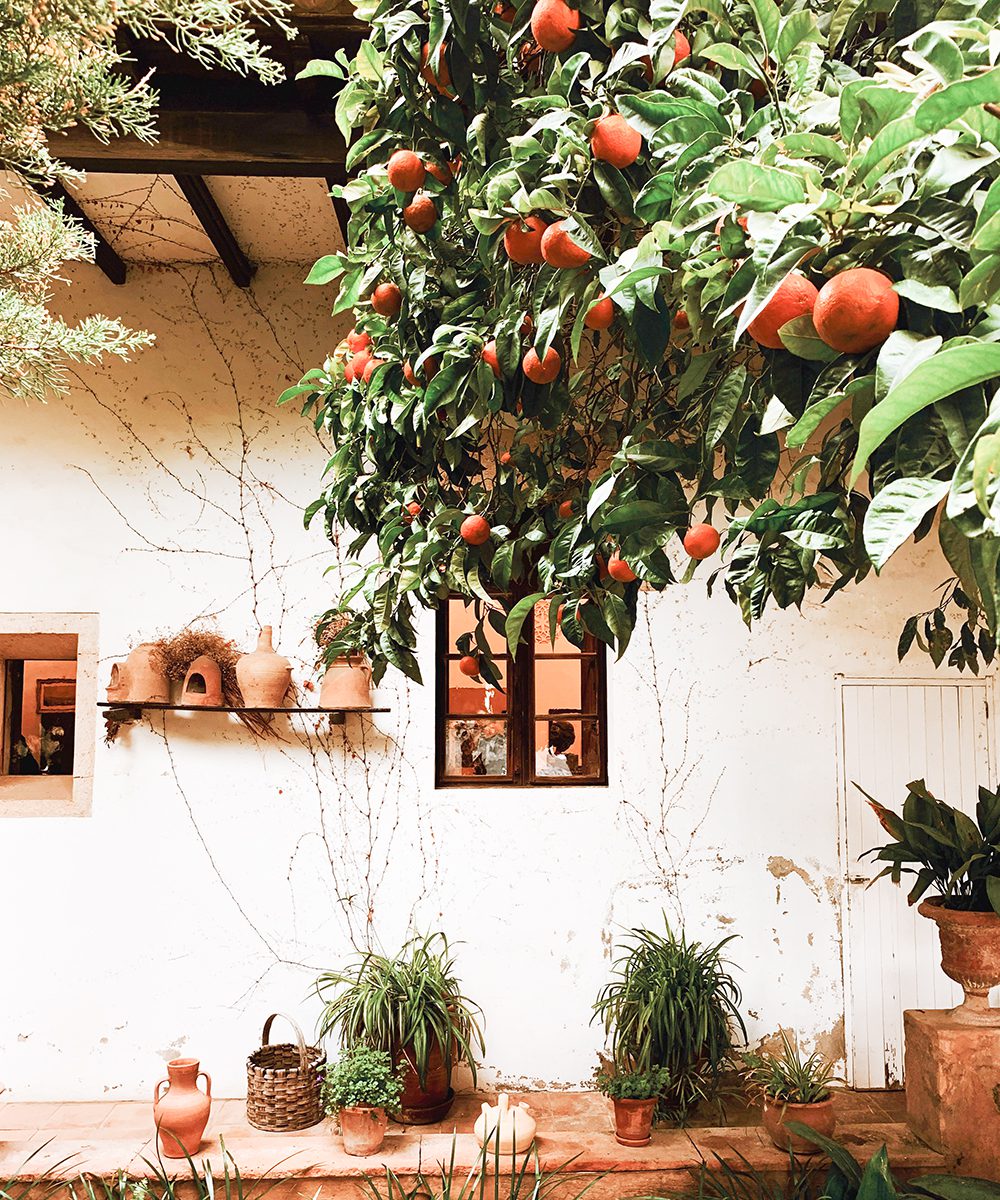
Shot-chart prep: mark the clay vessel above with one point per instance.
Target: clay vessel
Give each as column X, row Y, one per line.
column 202, row 684
column 137, row 680
column 347, row 684
column 423, row 1104
column 634, row 1121
column 363, row 1129
column 181, row 1112
column 509, row 1125
column 970, row 954
column 819, row 1116
column 264, row 676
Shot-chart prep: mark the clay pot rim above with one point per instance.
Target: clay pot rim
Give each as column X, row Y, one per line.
column 937, row 911
column 810, row 1106
column 362, row 1108
column 184, row 1062
column 633, row 1102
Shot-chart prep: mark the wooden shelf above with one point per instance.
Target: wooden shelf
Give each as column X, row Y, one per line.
column 125, row 712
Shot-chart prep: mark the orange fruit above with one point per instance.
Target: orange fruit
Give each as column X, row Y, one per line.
column 795, row 297
column 428, row 368
column 523, row 241
column 602, row 567
column 527, row 325
column 411, row 510
column 542, row 370
column 856, row 310
column 371, row 366
column 614, row 141
column 469, row 665
column 701, row 541
column 600, row 314
column 554, row 25
column 475, row 530
column 349, row 371
column 559, row 249
column 436, row 73
column 682, row 48
column 681, row 320
column 619, row 569
column 358, row 363
column 506, row 12
column 406, row 171
column 489, row 356
column 421, row 214
column 505, row 458
column 566, row 509
column 386, row 300
column 442, row 172
column 357, row 341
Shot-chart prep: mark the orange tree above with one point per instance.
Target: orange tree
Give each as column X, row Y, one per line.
column 630, row 273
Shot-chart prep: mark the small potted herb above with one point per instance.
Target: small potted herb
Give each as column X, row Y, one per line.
column 792, row 1088
column 361, row 1089
column 635, row 1095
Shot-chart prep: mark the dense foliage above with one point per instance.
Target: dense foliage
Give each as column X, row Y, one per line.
column 672, row 1005
column 62, row 64
column 786, row 1076
column 362, row 1078
column 943, row 847
column 794, row 145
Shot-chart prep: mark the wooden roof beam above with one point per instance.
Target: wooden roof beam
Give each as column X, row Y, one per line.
column 241, row 269
column 106, row 257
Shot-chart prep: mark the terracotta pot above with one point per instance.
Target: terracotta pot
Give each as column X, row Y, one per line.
column 264, row 676
column 137, row 680
column 970, row 954
column 202, row 684
column 423, row 1105
column 819, row 1116
column 181, row 1112
column 347, row 684
column 634, row 1121
column 363, row 1129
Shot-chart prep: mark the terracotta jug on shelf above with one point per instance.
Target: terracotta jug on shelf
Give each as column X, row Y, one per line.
column 347, row 683
column 137, row 680
column 181, row 1112
column 264, row 676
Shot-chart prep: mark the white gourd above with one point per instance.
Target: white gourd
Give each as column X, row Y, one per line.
column 513, row 1122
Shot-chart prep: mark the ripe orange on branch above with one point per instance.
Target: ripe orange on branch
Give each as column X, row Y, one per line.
column 436, row 73
column 554, row 25
column 601, row 314
column 489, row 356
column 559, row 249
column 856, row 310
column 386, row 300
column 682, row 48
column 475, row 530
column 357, row 341
column 542, row 370
column 468, row 665
column 406, row 171
column 615, row 141
column 701, row 541
column 421, row 214
column 795, row 297
column 566, row 509
column 523, row 241
column 619, row 569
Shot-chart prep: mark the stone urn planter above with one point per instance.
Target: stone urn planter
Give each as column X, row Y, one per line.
column 264, row 676
column 363, row 1129
column 181, row 1111
column 819, row 1115
column 970, row 954
column 634, row 1121
column 423, row 1104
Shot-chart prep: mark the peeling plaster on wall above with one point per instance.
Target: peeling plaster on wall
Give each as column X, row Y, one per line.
column 217, row 874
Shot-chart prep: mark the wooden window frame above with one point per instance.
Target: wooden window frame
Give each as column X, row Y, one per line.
column 520, row 715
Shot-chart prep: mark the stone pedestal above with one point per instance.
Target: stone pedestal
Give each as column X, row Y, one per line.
column 953, row 1088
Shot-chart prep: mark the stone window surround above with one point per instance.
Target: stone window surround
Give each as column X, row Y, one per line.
column 55, row 635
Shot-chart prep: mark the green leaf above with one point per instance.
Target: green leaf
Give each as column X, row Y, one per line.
column 636, row 514
column 768, row 17
column 895, row 513
column 757, row 187
column 800, row 337
column 516, row 618
column 326, row 269
column 724, row 405
column 947, row 372
column 945, row 106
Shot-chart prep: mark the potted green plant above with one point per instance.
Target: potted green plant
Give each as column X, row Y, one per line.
column 672, row 1004
column 792, row 1088
column 960, row 859
column 361, row 1088
column 412, row 1007
column 635, row 1095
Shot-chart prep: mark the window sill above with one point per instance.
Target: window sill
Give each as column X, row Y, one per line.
column 44, row 796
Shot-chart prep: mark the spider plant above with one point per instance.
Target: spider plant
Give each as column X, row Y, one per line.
column 672, row 1004
column 407, row 1004
column 787, row 1077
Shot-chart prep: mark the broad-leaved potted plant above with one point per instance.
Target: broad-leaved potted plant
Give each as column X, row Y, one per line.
column 635, row 1095
column 361, row 1089
column 792, row 1088
column 960, row 860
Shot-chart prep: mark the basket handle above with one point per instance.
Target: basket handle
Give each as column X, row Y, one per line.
column 303, row 1049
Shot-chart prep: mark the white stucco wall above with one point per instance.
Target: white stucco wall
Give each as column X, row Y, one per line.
column 216, row 876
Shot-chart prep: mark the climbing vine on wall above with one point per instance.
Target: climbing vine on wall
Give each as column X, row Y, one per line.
column 629, row 278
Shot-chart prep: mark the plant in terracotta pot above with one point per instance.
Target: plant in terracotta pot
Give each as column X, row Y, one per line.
column 361, row 1088
column 635, row 1095
column 412, row 1007
column 347, row 676
column 960, row 860
column 792, row 1089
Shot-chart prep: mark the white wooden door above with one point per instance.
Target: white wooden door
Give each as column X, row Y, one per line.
column 893, row 731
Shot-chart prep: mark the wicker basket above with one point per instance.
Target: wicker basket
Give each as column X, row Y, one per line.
column 284, row 1081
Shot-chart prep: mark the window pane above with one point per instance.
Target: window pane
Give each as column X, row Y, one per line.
column 462, row 619
column 566, row 685
column 41, row 716
column 467, row 695
column 476, row 747
column 566, row 747
column 543, row 644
